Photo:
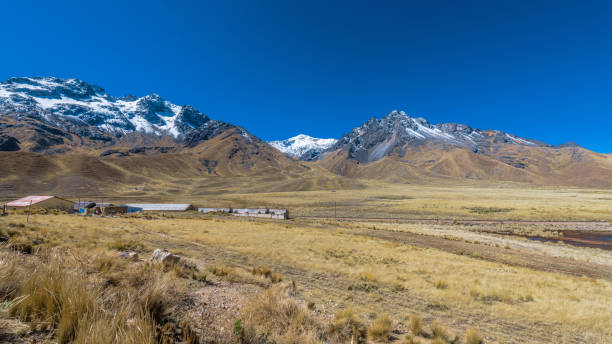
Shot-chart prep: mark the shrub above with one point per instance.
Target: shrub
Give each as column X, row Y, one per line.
column 127, row 245
column 347, row 327
column 276, row 277
column 380, row 330
column 262, row 271
column 472, row 336
column 53, row 297
column 440, row 332
column 416, row 325
column 441, row 284
column 311, row 305
column 220, row 271
column 21, row 245
column 397, row 286
column 199, row 276
column 489, row 295
column 273, row 316
column 12, row 274
column 411, row 340
column 54, row 292
column 367, row 277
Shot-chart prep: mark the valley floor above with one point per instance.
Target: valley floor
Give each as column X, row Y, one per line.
column 317, row 280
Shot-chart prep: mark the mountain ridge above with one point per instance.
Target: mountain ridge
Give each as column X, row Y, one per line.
column 149, row 138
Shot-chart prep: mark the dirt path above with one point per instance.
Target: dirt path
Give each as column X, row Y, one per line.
column 512, row 257
column 592, row 225
column 335, row 286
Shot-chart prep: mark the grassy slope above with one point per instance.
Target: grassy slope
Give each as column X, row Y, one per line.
column 541, row 166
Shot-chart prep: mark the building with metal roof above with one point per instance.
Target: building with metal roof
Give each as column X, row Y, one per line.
column 47, row 202
column 84, row 205
column 280, row 214
column 160, row 206
column 215, row 210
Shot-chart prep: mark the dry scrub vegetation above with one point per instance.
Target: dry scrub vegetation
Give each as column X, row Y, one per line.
column 246, row 281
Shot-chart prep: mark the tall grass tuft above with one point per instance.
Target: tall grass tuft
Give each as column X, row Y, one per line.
column 472, row 336
column 273, row 316
column 347, row 327
column 380, row 330
column 416, row 325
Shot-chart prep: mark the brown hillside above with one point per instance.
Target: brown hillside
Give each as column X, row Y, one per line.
column 572, row 166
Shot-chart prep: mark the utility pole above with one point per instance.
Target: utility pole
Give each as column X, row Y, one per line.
column 29, row 211
column 335, row 213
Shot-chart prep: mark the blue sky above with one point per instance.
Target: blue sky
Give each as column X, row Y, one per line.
column 537, row 69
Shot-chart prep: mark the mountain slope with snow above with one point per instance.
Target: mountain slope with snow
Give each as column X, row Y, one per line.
column 99, row 138
column 379, row 137
column 303, row 147
column 57, row 100
column 53, row 115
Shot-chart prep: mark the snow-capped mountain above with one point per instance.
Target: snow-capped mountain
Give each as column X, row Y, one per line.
column 57, row 108
column 62, row 101
column 381, row 136
column 303, row 147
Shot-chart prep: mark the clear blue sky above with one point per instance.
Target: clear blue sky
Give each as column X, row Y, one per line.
column 537, row 69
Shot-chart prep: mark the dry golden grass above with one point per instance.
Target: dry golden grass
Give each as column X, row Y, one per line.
column 473, row 286
column 82, row 297
column 381, row 328
column 499, row 289
column 274, row 317
column 348, row 327
column 416, row 325
column 440, row 332
column 472, row 336
column 428, row 201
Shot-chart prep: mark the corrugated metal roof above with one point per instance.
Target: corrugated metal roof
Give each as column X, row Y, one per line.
column 277, row 211
column 159, row 206
column 250, row 210
column 79, row 205
column 26, row 201
column 214, row 210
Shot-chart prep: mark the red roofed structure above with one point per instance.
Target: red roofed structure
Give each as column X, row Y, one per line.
column 48, row 202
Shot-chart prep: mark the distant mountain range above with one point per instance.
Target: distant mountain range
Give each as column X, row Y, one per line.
column 139, row 138
column 379, row 137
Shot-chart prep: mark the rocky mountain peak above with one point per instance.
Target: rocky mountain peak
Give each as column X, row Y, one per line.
column 394, row 132
column 303, row 147
column 85, row 110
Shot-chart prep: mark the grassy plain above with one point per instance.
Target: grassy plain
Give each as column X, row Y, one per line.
column 383, row 200
column 331, row 267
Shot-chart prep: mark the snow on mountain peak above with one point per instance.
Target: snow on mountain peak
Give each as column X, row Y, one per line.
column 303, row 147
column 76, row 100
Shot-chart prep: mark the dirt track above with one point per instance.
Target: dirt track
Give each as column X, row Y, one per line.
column 513, row 257
column 596, row 225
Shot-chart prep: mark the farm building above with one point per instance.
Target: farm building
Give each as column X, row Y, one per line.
column 249, row 211
column 111, row 210
column 159, row 207
column 215, row 210
column 47, row 202
column 83, row 205
column 281, row 214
